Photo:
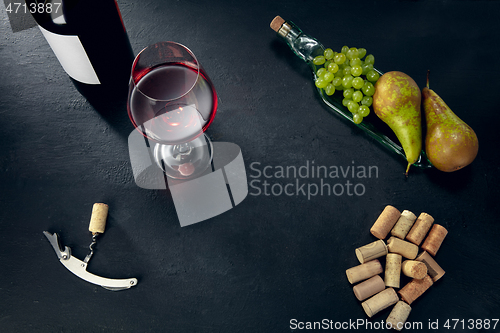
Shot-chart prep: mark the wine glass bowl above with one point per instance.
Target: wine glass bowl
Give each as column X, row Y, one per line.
column 172, row 102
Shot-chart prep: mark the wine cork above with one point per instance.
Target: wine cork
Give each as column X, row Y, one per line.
column 380, row 301
column 392, row 270
column 404, row 248
column 420, row 228
column 384, row 223
column 404, row 224
column 276, row 23
column 364, row 271
column 98, row 218
column 433, row 269
column 434, row 239
column 371, row 251
column 398, row 316
column 415, row 288
column 414, row 269
column 368, row 288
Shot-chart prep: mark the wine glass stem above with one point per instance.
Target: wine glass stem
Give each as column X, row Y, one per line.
column 184, row 148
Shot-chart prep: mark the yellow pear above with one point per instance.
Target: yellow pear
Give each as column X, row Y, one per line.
column 450, row 144
column 396, row 102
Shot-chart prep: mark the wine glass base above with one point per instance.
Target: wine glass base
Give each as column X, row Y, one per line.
column 187, row 160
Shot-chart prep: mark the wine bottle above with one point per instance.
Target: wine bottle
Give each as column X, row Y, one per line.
column 307, row 48
column 90, row 41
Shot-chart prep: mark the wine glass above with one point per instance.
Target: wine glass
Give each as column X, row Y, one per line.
column 172, row 102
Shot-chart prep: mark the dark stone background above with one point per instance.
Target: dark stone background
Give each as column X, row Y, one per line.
column 272, row 258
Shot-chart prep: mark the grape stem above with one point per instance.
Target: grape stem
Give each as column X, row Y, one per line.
column 428, row 71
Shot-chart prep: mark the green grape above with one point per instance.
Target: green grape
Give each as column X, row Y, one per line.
column 340, row 73
column 355, row 62
column 357, row 96
column 330, row 89
column 367, row 68
column 348, row 54
column 328, row 54
column 370, row 59
column 327, row 63
column 363, row 110
column 347, row 81
column 337, row 81
column 352, row 53
column 319, row 60
column 320, row 82
column 361, row 52
column 368, row 89
column 358, row 82
column 356, row 70
column 353, row 106
column 321, row 71
column 372, row 76
column 357, row 118
column 348, row 93
column 339, row 58
column 345, row 48
column 339, row 87
column 367, row 101
column 346, row 101
column 333, row 67
column 328, row 77
column 347, row 70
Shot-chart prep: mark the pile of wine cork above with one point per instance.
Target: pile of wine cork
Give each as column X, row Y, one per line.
column 403, row 256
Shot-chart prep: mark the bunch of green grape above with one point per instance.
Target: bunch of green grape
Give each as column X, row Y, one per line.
column 346, row 71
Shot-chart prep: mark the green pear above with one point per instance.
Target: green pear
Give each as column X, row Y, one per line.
column 396, row 102
column 450, row 144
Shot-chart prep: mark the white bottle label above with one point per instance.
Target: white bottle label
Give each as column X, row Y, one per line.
column 72, row 56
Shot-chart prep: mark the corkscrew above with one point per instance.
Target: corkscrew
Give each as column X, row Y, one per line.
column 79, row 267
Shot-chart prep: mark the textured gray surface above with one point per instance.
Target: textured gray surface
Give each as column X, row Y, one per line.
column 272, row 258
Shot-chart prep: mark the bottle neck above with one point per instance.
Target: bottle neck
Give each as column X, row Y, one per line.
column 286, row 28
column 304, row 46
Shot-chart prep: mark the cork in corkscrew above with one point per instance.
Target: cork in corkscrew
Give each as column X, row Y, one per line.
column 98, row 218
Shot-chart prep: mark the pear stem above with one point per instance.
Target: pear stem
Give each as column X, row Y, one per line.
column 428, row 71
column 407, row 169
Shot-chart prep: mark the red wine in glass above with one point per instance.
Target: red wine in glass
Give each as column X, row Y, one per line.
column 173, row 121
